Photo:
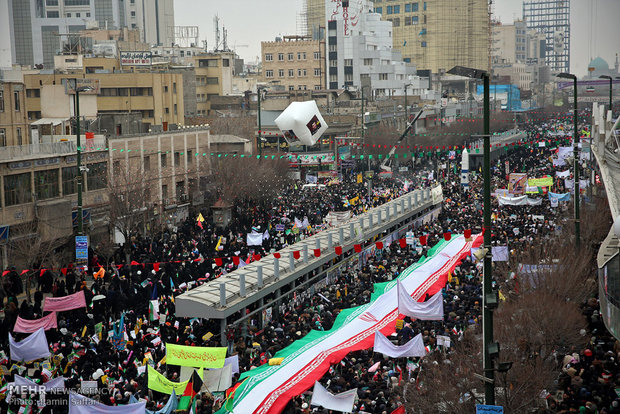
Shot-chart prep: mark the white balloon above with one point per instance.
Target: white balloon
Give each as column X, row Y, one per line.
column 301, row 122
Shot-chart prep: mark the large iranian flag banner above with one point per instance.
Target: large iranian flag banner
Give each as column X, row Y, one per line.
column 268, row 389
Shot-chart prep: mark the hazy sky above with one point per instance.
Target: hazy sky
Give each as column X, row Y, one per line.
column 595, row 29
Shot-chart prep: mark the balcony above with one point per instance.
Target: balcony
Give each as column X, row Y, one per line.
column 49, row 149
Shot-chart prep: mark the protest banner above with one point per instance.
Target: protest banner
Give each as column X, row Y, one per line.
column 195, row 356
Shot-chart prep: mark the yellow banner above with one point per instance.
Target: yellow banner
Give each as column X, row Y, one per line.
column 354, row 200
column 540, row 182
column 359, row 178
column 195, row 356
column 159, row 383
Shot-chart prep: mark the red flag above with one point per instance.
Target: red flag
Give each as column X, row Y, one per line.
column 156, row 266
column 236, row 260
column 134, row 263
column 200, row 225
column 296, row 254
column 317, row 252
column 467, row 233
column 42, row 272
column 64, row 271
column 403, row 243
column 338, row 250
column 423, row 240
column 218, row 261
column 357, row 248
column 379, row 245
column 277, row 255
column 399, row 410
column 6, row 272
column 256, row 257
column 447, row 236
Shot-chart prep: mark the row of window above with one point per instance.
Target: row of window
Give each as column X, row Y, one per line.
column 395, row 9
column 126, row 91
column 47, row 183
column 20, row 137
column 301, row 73
column 16, row 101
column 290, row 56
column 55, row 14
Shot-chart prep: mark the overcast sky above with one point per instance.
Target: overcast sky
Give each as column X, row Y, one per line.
column 595, row 29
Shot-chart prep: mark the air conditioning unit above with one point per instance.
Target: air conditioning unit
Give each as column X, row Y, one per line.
column 184, row 198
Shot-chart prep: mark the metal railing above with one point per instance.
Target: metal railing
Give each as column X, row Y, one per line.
column 18, row 152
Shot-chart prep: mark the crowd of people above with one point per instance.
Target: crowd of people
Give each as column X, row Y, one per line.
column 174, row 261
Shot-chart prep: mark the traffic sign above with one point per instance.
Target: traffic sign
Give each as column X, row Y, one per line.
column 81, row 247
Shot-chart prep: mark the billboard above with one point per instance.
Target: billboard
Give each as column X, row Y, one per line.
column 136, row 58
column 87, row 86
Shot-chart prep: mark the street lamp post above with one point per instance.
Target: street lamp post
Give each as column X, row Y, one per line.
column 79, row 153
column 259, row 91
column 611, row 88
column 487, row 292
column 565, row 75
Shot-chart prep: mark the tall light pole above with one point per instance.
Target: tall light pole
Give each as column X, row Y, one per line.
column 259, row 92
column 79, row 152
column 488, row 299
column 565, row 75
column 611, row 88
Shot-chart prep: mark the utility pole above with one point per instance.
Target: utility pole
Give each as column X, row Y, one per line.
column 259, row 141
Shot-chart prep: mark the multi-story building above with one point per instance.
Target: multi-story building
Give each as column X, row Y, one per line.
column 517, row 43
column 214, row 76
column 295, row 63
column 39, row 29
column 437, row 35
column 156, row 95
column 360, row 53
column 13, row 119
column 551, row 18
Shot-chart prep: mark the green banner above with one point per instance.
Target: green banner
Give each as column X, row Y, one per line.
column 195, row 356
column 540, row 182
column 159, row 383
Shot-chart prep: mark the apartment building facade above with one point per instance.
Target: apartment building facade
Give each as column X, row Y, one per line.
column 295, row 63
column 13, row 118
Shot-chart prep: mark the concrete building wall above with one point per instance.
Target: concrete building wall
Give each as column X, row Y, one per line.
column 13, row 123
column 296, row 65
column 439, row 34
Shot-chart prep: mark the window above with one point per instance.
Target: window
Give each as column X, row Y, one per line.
column 19, row 136
column 68, row 14
column 333, row 63
column 97, row 176
column 175, row 109
column 396, row 8
column 317, row 72
column 17, row 189
column 333, row 48
column 87, row 14
column 414, row 20
column 167, row 110
column 291, row 73
column 298, row 55
column 303, row 55
column 379, row 10
column 268, row 57
column 226, row 63
column 424, row 6
column 317, row 55
column 46, row 184
column 280, row 56
column 423, row 44
column 348, row 77
column 367, row 61
column 389, row 9
column 1, row 101
column 348, row 62
column 2, row 137
column 164, row 161
column 147, row 163
column 177, row 159
column 414, row 7
column 190, row 156
column 407, row 20
column 69, row 180
column 78, row 15
column 281, row 73
column 16, row 99
column 51, row 2
column 174, row 87
column 269, row 73
column 213, row 80
column 383, row 76
column 291, row 88
column 408, row 8
column 33, row 93
column 52, row 14
column 396, row 22
column 133, row 14
column 290, row 56
column 77, row 2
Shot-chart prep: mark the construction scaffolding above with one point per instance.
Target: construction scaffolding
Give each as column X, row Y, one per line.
column 551, row 17
column 313, row 15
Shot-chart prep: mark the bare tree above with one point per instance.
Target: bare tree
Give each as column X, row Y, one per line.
column 129, row 191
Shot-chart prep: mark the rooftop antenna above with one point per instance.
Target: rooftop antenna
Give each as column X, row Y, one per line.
column 224, row 39
column 216, row 23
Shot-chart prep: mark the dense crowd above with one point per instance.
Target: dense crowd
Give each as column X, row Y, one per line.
column 173, row 261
